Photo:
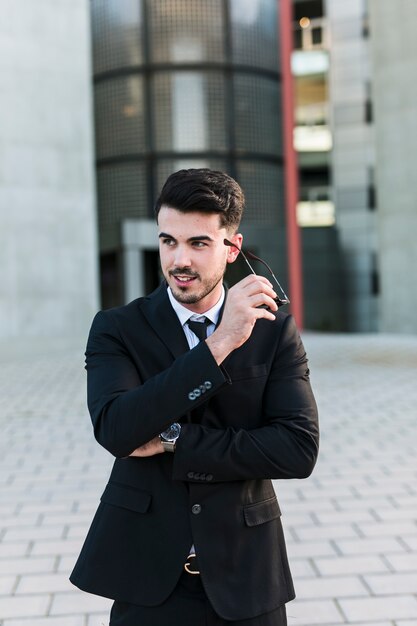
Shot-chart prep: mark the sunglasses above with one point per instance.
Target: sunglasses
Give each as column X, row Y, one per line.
column 278, row 300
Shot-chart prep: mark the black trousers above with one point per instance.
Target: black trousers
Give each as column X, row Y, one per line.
column 188, row 605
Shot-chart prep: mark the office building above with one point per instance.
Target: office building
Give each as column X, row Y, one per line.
column 356, row 137
column 177, row 84
column 197, row 83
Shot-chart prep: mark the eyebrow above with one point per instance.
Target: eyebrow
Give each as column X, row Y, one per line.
column 190, row 239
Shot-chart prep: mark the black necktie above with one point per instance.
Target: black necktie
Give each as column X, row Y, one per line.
column 199, row 328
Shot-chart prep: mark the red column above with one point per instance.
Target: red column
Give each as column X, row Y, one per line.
column 295, row 291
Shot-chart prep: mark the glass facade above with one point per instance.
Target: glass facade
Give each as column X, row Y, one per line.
column 184, row 31
column 117, row 33
column 254, row 33
column 119, row 111
column 185, row 83
column 257, row 109
column 189, row 111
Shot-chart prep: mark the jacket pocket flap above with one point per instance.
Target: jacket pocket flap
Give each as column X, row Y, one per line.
column 261, row 512
column 126, row 497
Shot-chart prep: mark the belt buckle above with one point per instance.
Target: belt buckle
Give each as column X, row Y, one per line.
column 193, row 572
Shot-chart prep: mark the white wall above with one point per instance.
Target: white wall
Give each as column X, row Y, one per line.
column 48, row 246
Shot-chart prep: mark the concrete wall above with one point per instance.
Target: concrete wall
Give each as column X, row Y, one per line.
column 47, row 208
column 353, row 159
column 394, row 56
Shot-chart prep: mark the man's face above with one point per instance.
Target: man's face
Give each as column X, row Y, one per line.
column 193, row 256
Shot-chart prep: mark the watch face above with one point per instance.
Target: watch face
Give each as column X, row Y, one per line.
column 172, row 433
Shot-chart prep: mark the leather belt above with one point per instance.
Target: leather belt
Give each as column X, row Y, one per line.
column 191, row 566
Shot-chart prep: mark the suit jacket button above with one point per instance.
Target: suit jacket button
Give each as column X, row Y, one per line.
column 208, row 384
column 190, row 475
column 191, row 395
column 209, row 477
column 196, row 509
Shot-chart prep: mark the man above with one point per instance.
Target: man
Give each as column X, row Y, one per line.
column 188, row 530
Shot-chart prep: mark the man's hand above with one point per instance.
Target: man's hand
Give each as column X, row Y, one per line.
column 154, row 446
column 240, row 313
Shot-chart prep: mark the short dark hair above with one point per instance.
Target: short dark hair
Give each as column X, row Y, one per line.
column 205, row 191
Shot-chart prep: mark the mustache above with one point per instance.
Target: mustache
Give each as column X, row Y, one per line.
column 184, row 271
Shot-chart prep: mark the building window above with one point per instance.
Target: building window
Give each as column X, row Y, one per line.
column 365, row 20
column 369, row 109
column 372, row 200
column 119, row 116
column 181, row 31
column 254, row 36
column 116, row 34
column 375, row 286
column 310, row 27
column 189, row 110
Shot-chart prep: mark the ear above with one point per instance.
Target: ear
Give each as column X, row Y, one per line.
column 233, row 253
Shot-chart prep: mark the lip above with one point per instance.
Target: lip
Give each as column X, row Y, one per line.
column 187, row 280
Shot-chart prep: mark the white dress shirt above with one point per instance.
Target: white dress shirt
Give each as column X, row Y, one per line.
column 184, row 315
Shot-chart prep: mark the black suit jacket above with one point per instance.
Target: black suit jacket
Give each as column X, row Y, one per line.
column 257, row 421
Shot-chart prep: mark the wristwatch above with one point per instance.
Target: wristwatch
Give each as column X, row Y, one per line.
column 169, row 437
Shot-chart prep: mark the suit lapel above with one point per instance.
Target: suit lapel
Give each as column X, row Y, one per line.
column 161, row 316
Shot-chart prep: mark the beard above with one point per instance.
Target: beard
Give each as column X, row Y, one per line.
column 200, row 288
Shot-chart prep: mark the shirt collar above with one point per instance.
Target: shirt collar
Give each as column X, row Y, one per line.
column 185, row 314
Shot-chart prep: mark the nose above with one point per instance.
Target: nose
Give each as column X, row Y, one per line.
column 182, row 257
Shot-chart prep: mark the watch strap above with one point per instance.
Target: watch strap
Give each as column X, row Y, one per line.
column 168, row 446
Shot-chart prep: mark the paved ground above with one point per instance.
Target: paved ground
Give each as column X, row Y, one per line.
column 351, row 527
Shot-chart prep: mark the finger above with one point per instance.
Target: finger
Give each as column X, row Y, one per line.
column 250, row 280
column 263, row 300
column 264, row 313
column 260, row 289
column 259, row 284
